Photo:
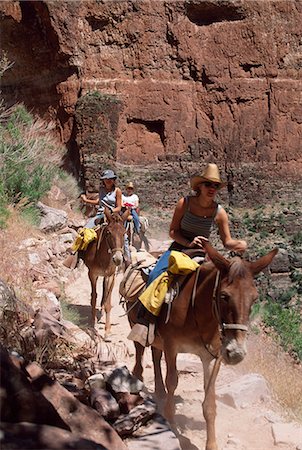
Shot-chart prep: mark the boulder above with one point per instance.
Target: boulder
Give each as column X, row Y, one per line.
column 82, row 420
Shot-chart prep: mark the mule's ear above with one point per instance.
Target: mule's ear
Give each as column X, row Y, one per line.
column 263, row 262
column 218, row 260
column 125, row 214
column 107, row 213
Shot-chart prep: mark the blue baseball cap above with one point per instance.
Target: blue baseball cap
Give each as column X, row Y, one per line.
column 107, row 175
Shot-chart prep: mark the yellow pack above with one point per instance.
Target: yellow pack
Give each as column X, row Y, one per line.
column 154, row 295
column 84, row 237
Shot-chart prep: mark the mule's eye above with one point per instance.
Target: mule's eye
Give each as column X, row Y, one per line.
column 224, row 297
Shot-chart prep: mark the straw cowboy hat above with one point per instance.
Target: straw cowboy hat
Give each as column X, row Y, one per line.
column 210, row 173
column 130, row 185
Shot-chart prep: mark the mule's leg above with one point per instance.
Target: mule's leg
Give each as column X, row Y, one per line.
column 138, row 367
column 146, row 242
column 158, row 376
column 171, row 382
column 93, row 281
column 108, row 283
column 210, row 370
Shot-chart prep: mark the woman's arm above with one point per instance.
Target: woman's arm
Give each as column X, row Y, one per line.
column 90, row 201
column 118, row 201
column 225, row 234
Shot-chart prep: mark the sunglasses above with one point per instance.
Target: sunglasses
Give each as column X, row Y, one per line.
column 208, row 184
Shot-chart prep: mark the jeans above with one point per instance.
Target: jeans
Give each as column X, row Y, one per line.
column 136, row 222
column 91, row 221
column 160, row 267
column 126, row 247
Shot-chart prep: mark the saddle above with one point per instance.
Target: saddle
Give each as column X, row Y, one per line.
column 136, row 276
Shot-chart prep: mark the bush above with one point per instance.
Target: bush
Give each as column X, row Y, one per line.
column 286, row 322
column 29, row 160
column 31, row 214
column 297, row 239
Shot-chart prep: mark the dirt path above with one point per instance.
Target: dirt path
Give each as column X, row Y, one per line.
column 246, row 428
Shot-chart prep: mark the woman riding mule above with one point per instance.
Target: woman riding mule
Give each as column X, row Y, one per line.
column 109, row 195
column 109, row 250
column 191, row 225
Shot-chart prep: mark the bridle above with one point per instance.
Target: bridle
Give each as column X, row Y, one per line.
column 216, row 300
column 216, row 307
column 110, row 250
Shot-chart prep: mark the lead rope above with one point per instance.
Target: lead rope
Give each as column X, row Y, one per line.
column 102, row 228
column 130, row 309
column 193, row 302
column 195, row 285
column 216, row 311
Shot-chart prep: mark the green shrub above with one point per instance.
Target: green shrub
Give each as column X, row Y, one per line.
column 4, row 215
column 23, row 179
column 287, row 324
column 29, row 161
column 31, row 214
column 297, row 239
column 296, row 277
column 70, row 313
column 286, row 296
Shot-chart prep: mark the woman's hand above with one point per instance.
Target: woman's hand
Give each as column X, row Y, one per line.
column 84, row 198
column 239, row 246
column 236, row 245
column 198, row 242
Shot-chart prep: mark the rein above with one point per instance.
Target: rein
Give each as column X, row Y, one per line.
column 217, row 310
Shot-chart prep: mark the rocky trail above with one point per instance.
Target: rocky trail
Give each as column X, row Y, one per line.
column 248, row 418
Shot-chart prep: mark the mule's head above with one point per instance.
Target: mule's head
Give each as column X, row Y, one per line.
column 114, row 234
column 235, row 294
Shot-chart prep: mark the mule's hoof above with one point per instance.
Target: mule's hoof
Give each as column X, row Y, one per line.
column 107, row 337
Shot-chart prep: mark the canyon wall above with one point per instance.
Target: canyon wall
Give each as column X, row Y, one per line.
column 191, row 81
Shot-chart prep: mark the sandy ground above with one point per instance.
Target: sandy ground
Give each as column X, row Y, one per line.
column 247, row 428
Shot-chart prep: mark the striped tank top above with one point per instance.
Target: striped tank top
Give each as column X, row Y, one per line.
column 192, row 225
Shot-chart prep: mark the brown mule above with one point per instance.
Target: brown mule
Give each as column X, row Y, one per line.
column 209, row 318
column 102, row 257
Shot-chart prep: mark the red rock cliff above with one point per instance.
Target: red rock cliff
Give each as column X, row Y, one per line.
column 195, row 80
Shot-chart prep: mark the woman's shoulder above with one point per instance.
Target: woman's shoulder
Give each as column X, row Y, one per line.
column 181, row 202
column 220, row 212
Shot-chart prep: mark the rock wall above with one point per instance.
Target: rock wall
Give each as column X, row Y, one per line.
column 196, row 80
